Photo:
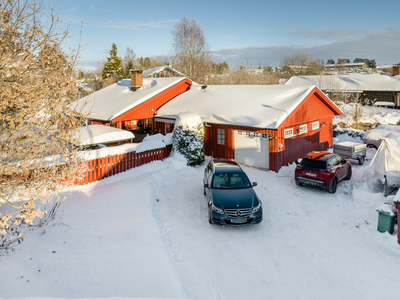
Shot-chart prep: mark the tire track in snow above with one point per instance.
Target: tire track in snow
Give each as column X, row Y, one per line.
column 195, row 282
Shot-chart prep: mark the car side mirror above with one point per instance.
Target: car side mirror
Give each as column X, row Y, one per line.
column 296, row 161
column 254, row 183
column 343, row 161
column 206, row 185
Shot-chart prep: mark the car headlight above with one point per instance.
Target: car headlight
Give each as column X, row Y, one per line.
column 257, row 208
column 218, row 210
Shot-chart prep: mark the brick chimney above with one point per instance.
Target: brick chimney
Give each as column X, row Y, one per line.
column 395, row 70
column 136, row 79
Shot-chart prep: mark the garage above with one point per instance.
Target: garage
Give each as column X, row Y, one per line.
column 252, row 148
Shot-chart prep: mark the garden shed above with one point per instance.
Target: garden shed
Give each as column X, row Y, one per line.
column 266, row 126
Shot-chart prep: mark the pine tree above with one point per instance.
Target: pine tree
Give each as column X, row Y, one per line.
column 113, row 66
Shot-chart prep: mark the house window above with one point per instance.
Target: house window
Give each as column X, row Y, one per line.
column 315, row 125
column 221, row 136
column 302, row 129
column 288, row 133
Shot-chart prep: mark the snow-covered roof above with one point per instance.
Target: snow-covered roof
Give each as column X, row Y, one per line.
column 371, row 82
column 260, row 106
column 99, row 134
column 149, row 72
column 116, row 99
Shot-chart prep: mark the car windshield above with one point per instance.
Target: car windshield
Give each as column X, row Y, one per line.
column 313, row 164
column 230, row 181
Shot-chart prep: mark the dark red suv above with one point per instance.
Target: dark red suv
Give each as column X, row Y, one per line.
column 323, row 169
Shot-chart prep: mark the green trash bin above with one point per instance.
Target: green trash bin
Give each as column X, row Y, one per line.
column 387, row 214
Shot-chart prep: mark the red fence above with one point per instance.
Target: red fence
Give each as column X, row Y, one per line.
column 108, row 166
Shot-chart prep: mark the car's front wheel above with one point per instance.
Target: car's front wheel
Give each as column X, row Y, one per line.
column 209, row 215
column 333, row 186
column 349, row 172
column 361, row 160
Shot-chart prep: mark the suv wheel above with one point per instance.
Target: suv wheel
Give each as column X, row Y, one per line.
column 361, row 160
column 333, row 186
column 349, row 172
column 209, row 215
column 298, row 183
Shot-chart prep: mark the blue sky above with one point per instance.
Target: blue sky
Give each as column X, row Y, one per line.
column 261, row 32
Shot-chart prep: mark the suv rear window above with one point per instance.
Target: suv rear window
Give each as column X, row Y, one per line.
column 313, row 164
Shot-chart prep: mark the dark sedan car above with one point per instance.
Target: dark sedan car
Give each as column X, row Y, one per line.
column 230, row 195
column 323, row 169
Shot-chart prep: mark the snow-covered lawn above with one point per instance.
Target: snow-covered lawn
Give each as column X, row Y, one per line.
column 144, row 234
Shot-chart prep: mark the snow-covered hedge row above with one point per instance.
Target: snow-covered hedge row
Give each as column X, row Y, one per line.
column 349, row 131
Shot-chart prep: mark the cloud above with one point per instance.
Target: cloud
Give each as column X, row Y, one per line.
column 381, row 44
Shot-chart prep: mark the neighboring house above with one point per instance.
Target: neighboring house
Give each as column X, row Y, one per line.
column 164, row 71
column 346, row 67
column 374, row 87
column 266, row 126
column 128, row 104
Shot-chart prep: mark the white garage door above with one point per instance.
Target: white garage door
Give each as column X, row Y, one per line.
column 252, row 148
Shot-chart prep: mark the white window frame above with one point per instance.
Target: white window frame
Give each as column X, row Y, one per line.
column 315, row 125
column 289, row 133
column 220, row 136
column 303, row 129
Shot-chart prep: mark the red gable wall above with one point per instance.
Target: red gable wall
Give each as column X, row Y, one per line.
column 147, row 109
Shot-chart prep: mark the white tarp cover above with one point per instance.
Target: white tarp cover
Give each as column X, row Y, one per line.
column 99, row 134
column 387, row 161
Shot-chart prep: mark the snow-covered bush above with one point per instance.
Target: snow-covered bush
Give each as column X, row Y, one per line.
column 349, row 131
column 188, row 140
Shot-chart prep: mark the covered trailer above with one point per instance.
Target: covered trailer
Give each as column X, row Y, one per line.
column 386, row 163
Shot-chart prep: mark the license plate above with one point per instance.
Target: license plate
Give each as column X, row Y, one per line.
column 238, row 221
column 311, row 174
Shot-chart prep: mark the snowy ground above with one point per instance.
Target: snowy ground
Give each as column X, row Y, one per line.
column 144, row 234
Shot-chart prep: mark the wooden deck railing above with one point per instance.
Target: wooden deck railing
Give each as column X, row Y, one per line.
column 104, row 167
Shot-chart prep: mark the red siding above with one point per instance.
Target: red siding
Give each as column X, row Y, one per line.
column 147, row 109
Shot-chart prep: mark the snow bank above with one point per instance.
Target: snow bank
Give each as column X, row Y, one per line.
column 370, row 115
column 167, row 139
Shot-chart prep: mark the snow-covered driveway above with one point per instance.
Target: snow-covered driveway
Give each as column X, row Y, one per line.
column 144, row 233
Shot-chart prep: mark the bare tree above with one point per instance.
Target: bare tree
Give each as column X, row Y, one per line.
column 37, row 155
column 129, row 61
column 190, row 49
column 301, row 64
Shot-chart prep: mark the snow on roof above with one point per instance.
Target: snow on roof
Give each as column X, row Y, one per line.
column 370, row 82
column 261, row 106
column 116, row 99
column 99, row 134
column 149, row 72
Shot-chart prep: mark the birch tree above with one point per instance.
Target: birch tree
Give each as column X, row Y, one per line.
column 37, row 121
column 190, row 49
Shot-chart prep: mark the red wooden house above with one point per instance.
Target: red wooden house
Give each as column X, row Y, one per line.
column 262, row 126
column 130, row 102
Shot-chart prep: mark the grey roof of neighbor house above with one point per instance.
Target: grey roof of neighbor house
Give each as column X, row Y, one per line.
column 260, row 106
column 356, row 83
column 116, row 99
